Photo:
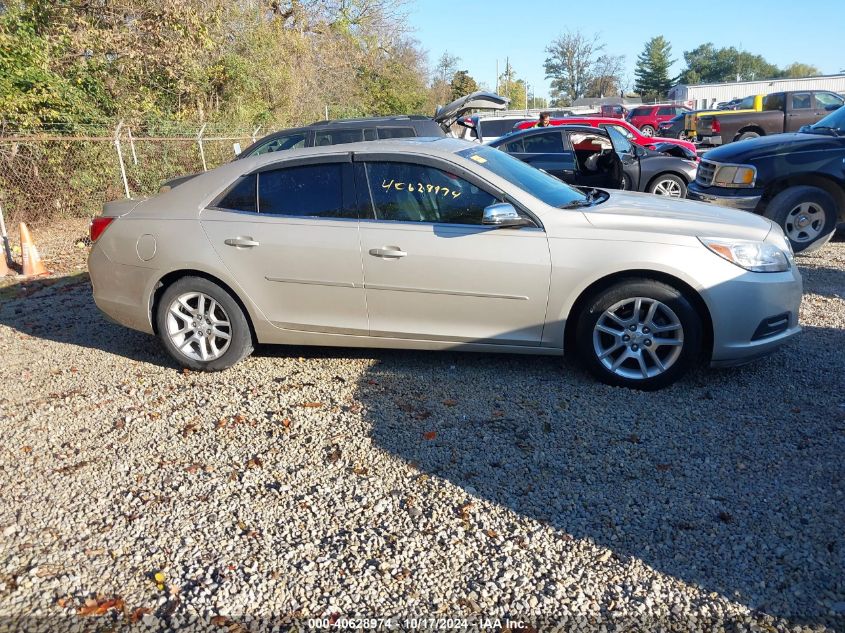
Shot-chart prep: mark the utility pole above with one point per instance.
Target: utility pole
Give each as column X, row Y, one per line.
column 497, row 76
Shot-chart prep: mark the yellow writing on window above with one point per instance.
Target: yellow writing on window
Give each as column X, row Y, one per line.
column 398, row 185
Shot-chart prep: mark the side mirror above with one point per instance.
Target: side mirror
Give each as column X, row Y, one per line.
column 503, row 215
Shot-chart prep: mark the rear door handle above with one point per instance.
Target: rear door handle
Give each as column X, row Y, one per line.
column 388, row 252
column 241, row 242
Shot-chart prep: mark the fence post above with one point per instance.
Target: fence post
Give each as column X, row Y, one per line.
column 132, row 145
column 254, row 132
column 199, row 141
column 7, row 251
column 120, row 158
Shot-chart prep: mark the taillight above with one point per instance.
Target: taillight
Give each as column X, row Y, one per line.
column 97, row 226
column 716, row 126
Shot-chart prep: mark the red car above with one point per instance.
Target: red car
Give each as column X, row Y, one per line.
column 647, row 117
column 632, row 133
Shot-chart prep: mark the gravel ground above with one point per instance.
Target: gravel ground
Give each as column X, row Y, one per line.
column 310, row 482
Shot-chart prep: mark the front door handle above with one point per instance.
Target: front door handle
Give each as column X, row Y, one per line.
column 388, row 252
column 241, row 242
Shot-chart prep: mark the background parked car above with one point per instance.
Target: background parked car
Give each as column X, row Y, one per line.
column 613, row 111
column 781, row 112
column 796, row 180
column 596, row 157
column 633, row 134
column 485, row 128
column 647, row 118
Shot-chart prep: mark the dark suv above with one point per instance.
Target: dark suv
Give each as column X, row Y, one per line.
column 345, row 131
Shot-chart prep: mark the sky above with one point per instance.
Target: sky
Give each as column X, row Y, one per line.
column 480, row 32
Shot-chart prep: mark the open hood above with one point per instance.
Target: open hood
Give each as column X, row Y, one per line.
column 446, row 115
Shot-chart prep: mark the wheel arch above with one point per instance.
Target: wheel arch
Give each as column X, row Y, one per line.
column 175, row 275
column 749, row 128
column 822, row 181
column 608, row 280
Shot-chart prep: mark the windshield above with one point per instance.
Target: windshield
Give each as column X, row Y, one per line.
column 538, row 183
column 835, row 120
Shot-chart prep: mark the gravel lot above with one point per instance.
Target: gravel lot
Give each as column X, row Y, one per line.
column 311, row 482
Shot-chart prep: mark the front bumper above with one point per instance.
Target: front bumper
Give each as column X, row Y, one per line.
column 732, row 198
column 743, row 309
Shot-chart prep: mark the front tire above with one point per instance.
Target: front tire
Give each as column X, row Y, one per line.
column 807, row 216
column 638, row 333
column 202, row 326
column 668, row 185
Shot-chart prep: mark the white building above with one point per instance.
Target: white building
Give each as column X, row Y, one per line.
column 704, row 95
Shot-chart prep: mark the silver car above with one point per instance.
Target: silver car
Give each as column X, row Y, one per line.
column 442, row 244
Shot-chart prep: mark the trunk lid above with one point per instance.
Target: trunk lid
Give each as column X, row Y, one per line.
column 446, row 115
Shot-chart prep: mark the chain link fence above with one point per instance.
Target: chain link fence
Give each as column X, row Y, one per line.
column 51, row 173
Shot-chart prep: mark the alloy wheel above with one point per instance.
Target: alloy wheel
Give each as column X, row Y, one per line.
column 667, row 187
column 198, row 326
column 638, row 338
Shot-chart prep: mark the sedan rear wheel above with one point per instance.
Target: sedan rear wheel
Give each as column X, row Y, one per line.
column 639, row 333
column 202, row 326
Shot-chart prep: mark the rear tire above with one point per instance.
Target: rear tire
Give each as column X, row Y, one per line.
column 202, row 326
column 807, row 216
column 647, row 130
column 665, row 341
column 668, row 185
column 747, row 135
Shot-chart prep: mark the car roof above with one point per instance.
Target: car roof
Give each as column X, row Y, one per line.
column 363, row 121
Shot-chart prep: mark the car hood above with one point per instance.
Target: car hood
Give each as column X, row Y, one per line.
column 763, row 146
column 446, row 115
column 630, row 211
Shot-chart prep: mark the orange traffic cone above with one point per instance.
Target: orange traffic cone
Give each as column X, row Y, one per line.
column 32, row 264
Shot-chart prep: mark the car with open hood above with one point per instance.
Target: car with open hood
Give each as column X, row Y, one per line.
column 601, row 157
column 441, row 244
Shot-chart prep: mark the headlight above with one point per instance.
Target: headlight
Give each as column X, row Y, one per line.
column 735, row 176
column 758, row 257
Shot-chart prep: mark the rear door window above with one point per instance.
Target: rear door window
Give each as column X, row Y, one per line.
column 303, row 191
column 641, row 112
column 666, row 111
column 338, row 137
column 548, row 143
column 801, row 101
column 396, row 132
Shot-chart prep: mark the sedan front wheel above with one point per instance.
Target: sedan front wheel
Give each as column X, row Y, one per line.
column 639, row 333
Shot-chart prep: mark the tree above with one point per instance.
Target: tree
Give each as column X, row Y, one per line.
column 574, row 62
column 797, row 69
column 462, row 84
column 708, row 64
column 607, row 76
column 512, row 87
column 652, row 70
column 446, row 67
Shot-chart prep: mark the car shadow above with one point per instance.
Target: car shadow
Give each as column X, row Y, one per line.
column 698, row 481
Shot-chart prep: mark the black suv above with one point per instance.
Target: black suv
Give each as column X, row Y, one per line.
column 796, row 180
column 345, row 131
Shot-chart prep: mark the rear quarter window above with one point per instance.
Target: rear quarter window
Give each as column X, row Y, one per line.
column 240, row 196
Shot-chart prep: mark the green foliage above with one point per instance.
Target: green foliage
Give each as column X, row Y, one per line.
column 512, row 87
column 462, row 84
column 652, row 70
column 708, row 64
